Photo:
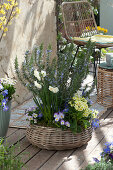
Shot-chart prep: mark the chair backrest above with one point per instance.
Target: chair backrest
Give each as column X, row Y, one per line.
column 78, row 19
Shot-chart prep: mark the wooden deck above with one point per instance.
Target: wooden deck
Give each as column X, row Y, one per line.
column 38, row 159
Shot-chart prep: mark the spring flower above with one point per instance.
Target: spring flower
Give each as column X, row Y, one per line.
column 6, row 99
column 5, row 92
column 66, row 110
column 111, row 155
column 5, row 108
column 67, row 124
column 30, row 118
column 55, row 115
column 43, row 73
column 96, row 160
column 39, row 86
column 1, row 87
column 107, row 149
column 57, row 119
column 48, row 51
column 38, row 52
column 95, row 123
column 40, row 115
column 62, row 122
column 3, row 102
column 35, row 120
column 35, row 115
column 53, row 89
column 61, row 115
column 37, row 74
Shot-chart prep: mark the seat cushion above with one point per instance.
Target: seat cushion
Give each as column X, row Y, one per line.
column 100, row 39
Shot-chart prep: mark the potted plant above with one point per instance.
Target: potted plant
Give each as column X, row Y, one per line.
column 8, row 10
column 62, row 118
column 7, row 89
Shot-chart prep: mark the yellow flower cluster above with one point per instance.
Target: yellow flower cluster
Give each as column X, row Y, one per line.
column 8, row 10
column 90, row 28
column 102, row 29
column 98, row 28
column 80, row 104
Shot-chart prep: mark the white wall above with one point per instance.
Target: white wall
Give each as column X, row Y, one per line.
column 36, row 24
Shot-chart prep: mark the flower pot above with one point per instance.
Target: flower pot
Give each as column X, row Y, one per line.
column 4, row 120
column 56, row 139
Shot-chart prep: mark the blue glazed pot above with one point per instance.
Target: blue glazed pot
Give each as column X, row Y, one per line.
column 4, row 120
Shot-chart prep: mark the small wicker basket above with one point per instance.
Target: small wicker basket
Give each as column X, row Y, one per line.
column 56, row 139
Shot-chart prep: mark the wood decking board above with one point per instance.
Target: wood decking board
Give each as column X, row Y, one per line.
column 38, row 159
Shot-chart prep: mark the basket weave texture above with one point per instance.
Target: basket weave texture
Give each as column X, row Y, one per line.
column 56, row 139
column 105, row 87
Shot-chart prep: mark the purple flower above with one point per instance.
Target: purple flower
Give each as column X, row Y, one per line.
column 27, row 52
column 95, row 123
column 90, row 102
column 48, row 51
column 66, row 110
column 61, row 115
column 5, row 92
column 55, row 115
column 107, row 149
column 3, row 102
column 96, row 160
column 62, row 122
column 5, row 108
column 40, row 115
column 38, row 52
column 108, row 143
column 1, row 87
column 67, row 124
column 57, row 119
column 111, row 155
column 6, row 99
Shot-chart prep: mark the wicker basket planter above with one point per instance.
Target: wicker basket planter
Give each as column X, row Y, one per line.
column 56, row 139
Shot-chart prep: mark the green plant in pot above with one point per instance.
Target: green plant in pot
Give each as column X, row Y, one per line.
column 7, row 89
column 55, row 88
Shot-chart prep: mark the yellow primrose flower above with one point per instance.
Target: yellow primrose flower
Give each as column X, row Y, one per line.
column 105, row 30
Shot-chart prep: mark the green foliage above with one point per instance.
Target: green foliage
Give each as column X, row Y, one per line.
column 8, row 161
column 102, row 165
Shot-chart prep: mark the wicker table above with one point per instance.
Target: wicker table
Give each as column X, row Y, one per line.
column 105, row 87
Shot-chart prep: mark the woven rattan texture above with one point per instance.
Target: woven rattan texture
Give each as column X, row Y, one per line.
column 105, row 87
column 56, row 139
column 79, row 19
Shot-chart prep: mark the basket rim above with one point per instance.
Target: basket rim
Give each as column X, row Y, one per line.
column 56, row 129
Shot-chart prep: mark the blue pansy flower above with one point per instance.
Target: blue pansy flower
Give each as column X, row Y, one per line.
column 4, row 102
column 107, row 149
column 66, row 110
column 5, row 108
column 5, row 92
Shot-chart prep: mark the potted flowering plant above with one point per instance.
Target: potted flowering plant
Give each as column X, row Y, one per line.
column 6, row 91
column 60, row 113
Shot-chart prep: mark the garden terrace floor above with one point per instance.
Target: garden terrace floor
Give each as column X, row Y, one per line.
column 38, row 159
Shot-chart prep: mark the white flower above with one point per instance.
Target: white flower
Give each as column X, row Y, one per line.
column 79, row 93
column 53, row 89
column 43, row 73
column 37, row 75
column 39, row 86
column 35, row 115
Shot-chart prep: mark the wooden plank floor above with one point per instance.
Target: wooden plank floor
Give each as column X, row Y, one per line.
column 38, row 159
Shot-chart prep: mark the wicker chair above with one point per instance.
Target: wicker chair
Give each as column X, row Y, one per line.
column 80, row 26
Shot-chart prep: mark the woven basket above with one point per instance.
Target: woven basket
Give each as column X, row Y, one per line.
column 105, row 87
column 56, row 139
